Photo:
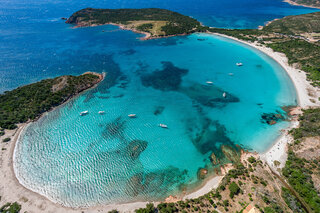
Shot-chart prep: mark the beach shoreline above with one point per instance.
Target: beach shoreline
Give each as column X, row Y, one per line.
column 34, row 202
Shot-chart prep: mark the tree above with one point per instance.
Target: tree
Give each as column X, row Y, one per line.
column 234, row 189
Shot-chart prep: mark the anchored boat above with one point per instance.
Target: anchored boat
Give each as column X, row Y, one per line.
column 163, row 126
column 132, row 115
column 84, row 113
column 209, row 82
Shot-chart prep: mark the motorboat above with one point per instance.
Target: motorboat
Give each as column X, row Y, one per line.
column 163, row 126
column 84, row 113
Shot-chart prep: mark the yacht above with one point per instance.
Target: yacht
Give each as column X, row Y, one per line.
column 224, row 95
column 209, row 82
column 101, row 112
column 163, row 126
column 239, row 64
column 84, row 113
column 132, row 115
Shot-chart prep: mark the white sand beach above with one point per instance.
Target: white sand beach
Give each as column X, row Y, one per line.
column 11, row 190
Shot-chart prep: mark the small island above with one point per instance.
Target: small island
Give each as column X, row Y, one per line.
column 152, row 22
column 31, row 101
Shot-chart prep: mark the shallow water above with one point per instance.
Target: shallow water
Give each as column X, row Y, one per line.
column 94, row 159
column 99, row 159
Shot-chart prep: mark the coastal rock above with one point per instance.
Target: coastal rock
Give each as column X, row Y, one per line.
column 226, row 168
column 171, row 199
column 202, row 173
column 214, row 159
column 272, row 118
column 230, row 153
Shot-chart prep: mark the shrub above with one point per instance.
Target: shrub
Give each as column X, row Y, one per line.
column 6, row 139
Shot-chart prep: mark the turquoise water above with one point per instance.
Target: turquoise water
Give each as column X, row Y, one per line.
column 101, row 159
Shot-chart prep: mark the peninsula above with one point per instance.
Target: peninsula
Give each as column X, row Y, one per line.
column 305, row 3
column 152, row 22
column 29, row 102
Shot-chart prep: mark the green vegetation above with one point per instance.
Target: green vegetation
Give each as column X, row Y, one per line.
column 309, row 124
column 175, row 23
column 6, row 140
column 295, row 25
column 30, row 101
column 149, row 209
column 145, row 27
column 310, row 3
column 10, row 208
column 299, row 170
column 234, row 189
column 291, row 201
column 299, row 177
column 113, row 211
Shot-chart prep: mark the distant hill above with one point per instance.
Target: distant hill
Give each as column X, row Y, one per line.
column 308, row 3
column 296, row 25
column 157, row 22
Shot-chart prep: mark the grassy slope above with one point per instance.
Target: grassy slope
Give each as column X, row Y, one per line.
column 175, row 23
column 30, row 101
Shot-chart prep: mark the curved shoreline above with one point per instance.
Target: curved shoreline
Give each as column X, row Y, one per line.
column 36, row 201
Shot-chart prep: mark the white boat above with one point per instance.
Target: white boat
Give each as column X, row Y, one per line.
column 101, row 112
column 84, row 113
column 224, row 95
column 231, row 74
column 239, row 64
column 209, row 82
column 132, row 115
column 163, row 126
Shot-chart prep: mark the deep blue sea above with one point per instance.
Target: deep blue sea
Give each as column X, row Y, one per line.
column 101, row 159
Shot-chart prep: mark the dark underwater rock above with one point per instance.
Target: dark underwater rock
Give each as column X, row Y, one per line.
column 128, row 52
column 209, row 135
column 158, row 110
column 114, row 128
column 136, row 147
column 210, row 96
column 272, row 118
column 167, row 79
